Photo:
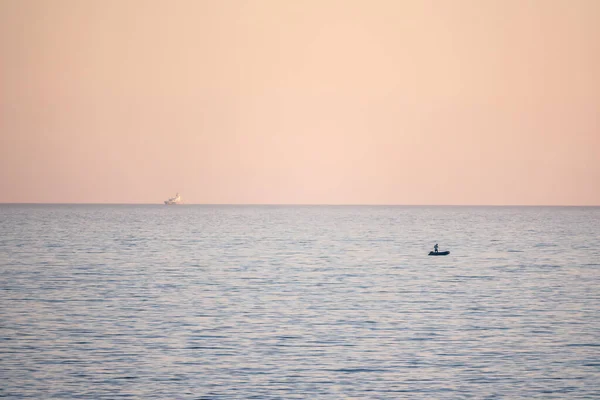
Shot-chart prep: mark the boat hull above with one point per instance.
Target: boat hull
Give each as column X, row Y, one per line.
column 439, row 253
column 174, row 200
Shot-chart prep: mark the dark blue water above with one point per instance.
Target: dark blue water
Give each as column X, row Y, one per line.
column 208, row 302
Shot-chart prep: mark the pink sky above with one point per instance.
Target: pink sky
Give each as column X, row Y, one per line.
column 301, row 102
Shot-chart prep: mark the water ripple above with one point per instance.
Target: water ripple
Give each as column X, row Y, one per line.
column 210, row 302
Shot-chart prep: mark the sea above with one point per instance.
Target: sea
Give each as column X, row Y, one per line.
column 299, row 302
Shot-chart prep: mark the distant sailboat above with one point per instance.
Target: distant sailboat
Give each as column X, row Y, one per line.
column 174, row 200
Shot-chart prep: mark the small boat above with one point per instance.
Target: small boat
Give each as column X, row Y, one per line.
column 439, row 253
column 174, row 200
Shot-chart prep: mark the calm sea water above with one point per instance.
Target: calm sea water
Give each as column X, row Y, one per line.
column 276, row 302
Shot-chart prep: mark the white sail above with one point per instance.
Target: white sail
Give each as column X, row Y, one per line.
column 174, row 200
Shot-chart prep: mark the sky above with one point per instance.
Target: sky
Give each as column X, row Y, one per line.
column 449, row 102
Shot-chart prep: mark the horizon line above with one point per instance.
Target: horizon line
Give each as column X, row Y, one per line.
column 306, row 204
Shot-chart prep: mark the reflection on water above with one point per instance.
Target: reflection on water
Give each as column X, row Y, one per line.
column 298, row 302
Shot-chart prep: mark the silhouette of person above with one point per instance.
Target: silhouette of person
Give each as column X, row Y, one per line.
column 435, row 248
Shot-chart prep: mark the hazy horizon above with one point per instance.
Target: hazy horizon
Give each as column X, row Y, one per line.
column 328, row 102
column 312, row 205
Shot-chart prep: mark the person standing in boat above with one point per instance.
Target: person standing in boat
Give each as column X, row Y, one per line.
column 435, row 248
